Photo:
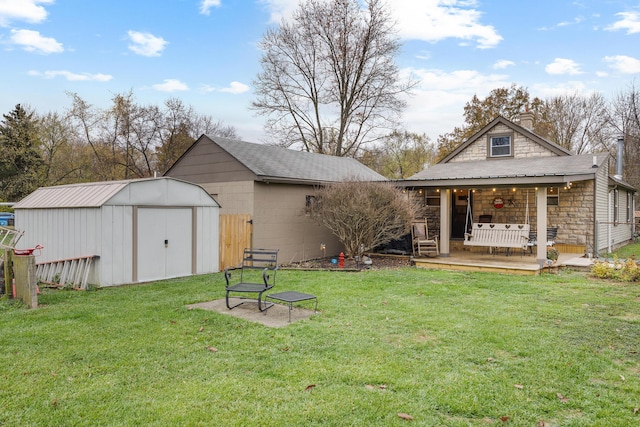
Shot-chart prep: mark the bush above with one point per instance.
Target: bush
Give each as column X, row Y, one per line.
column 363, row 215
column 624, row 271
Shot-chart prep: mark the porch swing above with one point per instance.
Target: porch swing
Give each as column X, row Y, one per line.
column 495, row 235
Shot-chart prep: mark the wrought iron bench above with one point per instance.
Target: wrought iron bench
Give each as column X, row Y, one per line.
column 494, row 235
column 257, row 275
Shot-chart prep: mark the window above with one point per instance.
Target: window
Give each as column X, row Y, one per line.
column 500, row 146
column 433, row 198
column 553, row 198
column 310, row 203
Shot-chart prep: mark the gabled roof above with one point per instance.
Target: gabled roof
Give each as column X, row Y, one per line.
column 555, row 148
column 531, row 170
column 151, row 191
column 278, row 164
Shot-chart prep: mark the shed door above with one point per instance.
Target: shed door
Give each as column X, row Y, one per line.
column 164, row 243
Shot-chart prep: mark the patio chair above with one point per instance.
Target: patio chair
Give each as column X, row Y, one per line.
column 423, row 245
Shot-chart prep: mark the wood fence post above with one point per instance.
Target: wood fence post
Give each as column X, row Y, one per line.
column 8, row 273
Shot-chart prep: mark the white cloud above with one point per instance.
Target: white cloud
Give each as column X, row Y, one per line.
column 146, row 44
column 545, row 91
column 436, row 20
column 32, row 41
column 171, row 85
column 236, row 88
column 630, row 21
column 623, row 64
column 442, row 95
column 74, row 77
column 205, row 5
column 22, row 10
column 280, row 9
column 563, row 66
column 502, row 64
column 427, row 20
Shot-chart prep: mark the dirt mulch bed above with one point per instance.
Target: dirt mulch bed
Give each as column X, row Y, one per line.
column 331, row 263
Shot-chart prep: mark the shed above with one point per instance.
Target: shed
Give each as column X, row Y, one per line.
column 137, row 230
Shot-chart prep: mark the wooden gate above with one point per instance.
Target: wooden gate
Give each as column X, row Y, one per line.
column 235, row 236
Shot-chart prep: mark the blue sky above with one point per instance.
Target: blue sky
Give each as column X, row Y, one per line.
column 204, row 52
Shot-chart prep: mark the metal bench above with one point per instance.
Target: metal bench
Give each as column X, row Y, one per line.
column 494, row 235
column 257, row 275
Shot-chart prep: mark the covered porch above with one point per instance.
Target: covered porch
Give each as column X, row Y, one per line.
column 552, row 212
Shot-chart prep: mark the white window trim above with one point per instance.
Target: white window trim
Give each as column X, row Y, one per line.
column 497, row 156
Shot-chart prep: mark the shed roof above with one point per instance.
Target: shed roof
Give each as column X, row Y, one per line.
column 147, row 191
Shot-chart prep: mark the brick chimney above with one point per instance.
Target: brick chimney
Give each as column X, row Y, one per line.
column 526, row 120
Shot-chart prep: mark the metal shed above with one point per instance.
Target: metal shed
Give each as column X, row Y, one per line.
column 136, row 230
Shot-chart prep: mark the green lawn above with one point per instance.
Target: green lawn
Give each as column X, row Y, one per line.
column 446, row 348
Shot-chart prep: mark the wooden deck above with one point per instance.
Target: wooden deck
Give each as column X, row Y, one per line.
column 515, row 263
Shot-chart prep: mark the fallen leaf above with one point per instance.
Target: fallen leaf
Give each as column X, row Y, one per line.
column 201, row 329
column 541, row 423
column 382, row 386
column 504, row 419
column 369, row 387
column 212, row 349
column 405, row 416
column 622, row 378
column 635, row 410
column 54, row 402
column 309, row 387
column 518, row 386
column 284, row 349
column 562, row 398
column 385, row 302
column 490, row 359
column 173, row 322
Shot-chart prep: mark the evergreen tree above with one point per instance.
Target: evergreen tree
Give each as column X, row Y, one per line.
column 20, row 158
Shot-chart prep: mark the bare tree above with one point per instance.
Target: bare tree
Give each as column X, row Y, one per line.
column 625, row 119
column 578, row 123
column 129, row 140
column 329, row 83
column 363, row 215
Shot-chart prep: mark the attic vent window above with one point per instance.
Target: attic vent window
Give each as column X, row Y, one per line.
column 500, row 146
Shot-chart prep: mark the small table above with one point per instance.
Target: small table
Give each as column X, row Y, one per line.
column 292, row 296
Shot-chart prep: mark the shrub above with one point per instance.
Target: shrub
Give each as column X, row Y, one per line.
column 624, row 271
column 363, row 215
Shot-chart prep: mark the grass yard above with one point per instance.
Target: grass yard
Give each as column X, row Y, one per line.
column 444, row 348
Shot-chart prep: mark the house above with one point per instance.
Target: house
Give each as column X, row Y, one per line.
column 137, row 230
column 508, row 174
column 264, row 192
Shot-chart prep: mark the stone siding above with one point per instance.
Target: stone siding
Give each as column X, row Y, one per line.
column 572, row 215
column 523, row 147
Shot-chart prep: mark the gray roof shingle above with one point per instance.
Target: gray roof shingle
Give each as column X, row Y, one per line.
column 561, row 166
column 277, row 163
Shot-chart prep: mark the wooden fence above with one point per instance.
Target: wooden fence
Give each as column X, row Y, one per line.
column 235, row 236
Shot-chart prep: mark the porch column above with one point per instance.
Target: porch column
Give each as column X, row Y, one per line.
column 541, row 224
column 445, row 222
